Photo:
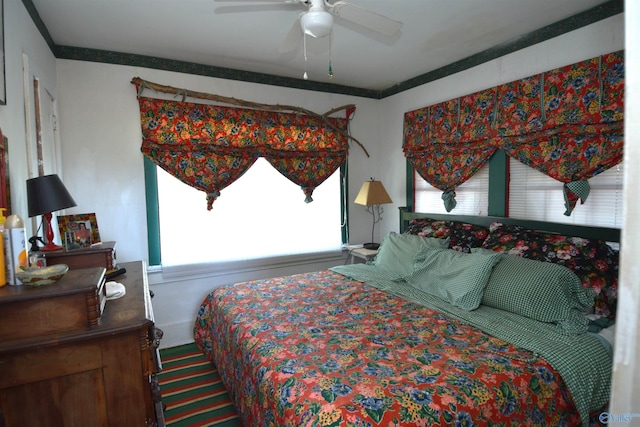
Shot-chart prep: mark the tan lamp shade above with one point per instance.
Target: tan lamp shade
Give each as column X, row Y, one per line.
column 373, row 193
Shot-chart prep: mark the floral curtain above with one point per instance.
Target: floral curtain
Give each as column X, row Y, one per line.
column 208, row 147
column 566, row 123
column 447, row 143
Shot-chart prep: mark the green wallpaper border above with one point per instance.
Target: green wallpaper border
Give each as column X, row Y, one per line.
column 587, row 17
column 580, row 20
column 499, row 171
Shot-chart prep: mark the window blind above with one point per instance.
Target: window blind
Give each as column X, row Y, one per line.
column 534, row 195
column 472, row 196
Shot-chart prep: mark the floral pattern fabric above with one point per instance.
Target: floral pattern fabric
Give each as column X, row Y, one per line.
column 466, row 236
column 208, row 147
column 566, row 123
column 427, row 227
column 433, row 144
column 593, row 261
column 318, row 349
column 462, row 236
column 297, row 170
column 447, row 167
column 519, row 110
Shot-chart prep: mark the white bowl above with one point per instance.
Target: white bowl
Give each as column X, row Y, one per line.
column 42, row 276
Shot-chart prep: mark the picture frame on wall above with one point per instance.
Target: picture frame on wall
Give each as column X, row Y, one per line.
column 3, row 79
column 79, row 230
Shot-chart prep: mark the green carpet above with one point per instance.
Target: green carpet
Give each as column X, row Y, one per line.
column 192, row 391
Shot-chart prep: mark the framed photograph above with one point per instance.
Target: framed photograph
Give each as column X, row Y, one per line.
column 79, row 230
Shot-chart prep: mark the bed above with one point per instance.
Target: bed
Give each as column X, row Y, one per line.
column 442, row 328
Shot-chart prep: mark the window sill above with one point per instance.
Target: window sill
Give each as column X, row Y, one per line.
column 188, row 271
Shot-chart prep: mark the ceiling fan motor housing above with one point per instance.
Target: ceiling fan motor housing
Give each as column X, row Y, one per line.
column 316, row 23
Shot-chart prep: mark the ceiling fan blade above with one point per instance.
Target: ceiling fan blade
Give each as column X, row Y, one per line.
column 265, row 1
column 262, row 7
column 365, row 17
column 293, row 38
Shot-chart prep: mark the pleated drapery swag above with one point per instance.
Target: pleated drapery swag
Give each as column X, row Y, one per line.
column 566, row 123
column 208, row 146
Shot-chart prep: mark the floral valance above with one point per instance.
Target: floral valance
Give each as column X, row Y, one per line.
column 208, row 146
column 566, row 123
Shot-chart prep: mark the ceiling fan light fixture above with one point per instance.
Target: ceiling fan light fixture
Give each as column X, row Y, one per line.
column 316, row 23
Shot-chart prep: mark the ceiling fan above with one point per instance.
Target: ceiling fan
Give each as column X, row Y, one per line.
column 317, row 20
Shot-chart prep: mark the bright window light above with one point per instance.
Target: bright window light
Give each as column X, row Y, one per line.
column 260, row 215
column 472, row 196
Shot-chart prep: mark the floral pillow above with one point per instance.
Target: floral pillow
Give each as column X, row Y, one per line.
column 427, row 227
column 593, row 261
column 465, row 236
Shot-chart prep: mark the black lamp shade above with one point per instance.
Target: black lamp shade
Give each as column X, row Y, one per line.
column 46, row 194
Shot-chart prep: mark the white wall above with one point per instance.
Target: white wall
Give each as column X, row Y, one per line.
column 602, row 37
column 101, row 136
column 22, row 40
column 100, row 140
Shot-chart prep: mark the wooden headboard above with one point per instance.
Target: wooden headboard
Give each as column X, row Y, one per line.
column 600, row 233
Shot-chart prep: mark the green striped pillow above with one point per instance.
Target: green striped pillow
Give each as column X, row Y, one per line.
column 456, row 277
column 539, row 290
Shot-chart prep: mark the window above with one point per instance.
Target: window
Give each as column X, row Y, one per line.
column 472, row 196
column 534, row 195
column 262, row 214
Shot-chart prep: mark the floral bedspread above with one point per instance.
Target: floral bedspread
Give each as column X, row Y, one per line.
column 319, row 349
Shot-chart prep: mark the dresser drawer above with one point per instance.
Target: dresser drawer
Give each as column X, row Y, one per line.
column 74, row 303
column 102, row 255
column 45, row 363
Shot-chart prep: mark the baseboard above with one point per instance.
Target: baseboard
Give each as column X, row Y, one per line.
column 176, row 334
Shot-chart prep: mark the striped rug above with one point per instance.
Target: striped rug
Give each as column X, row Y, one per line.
column 192, row 390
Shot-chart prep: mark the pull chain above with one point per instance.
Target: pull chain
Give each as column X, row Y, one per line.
column 330, row 56
column 304, row 48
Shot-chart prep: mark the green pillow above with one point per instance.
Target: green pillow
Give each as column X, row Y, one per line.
column 456, row 277
column 539, row 290
column 397, row 251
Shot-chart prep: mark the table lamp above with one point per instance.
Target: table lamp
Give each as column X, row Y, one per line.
column 47, row 194
column 372, row 194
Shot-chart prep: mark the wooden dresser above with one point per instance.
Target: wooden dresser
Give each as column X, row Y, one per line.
column 100, row 255
column 86, row 373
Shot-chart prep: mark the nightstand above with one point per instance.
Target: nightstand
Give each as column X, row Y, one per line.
column 362, row 253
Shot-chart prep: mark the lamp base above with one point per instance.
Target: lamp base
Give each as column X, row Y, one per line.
column 51, row 247
column 371, row 246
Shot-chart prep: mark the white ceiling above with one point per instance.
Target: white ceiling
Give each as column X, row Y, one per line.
column 247, row 35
